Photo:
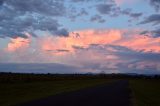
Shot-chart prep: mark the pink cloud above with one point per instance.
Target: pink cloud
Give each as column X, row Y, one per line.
column 141, row 43
column 19, row 43
column 111, row 37
column 85, row 38
column 59, row 46
column 120, row 2
column 87, row 48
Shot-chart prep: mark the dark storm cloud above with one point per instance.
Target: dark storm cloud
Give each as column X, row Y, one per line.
column 97, row 18
column 154, row 19
column 18, row 17
column 155, row 4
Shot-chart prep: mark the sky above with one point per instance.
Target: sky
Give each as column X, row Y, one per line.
column 111, row 36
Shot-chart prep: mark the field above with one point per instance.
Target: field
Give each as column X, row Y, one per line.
column 20, row 88
column 146, row 92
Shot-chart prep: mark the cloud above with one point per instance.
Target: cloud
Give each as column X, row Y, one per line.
column 97, row 18
column 80, row 1
column 89, row 50
column 155, row 4
column 74, row 12
column 154, row 19
column 120, row 2
column 18, row 17
column 113, row 58
column 139, row 62
column 37, row 6
column 19, row 43
column 112, row 9
column 107, row 8
column 141, row 43
column 84, row 1
column 82, row 39
column 37, row 34
column 39, row 68
column 136, row 15
column 154, row 33
column 126, row 53
column 78, row 47
column 129, row 12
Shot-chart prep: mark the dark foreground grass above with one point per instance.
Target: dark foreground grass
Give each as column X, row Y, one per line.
column 15, row 93
column 146, row 92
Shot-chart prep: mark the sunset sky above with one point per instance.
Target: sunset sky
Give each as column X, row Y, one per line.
column 114, row 36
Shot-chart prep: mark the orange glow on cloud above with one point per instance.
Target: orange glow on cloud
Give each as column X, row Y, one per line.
column 54, row 45
column 18, row 43
column 140, row 42
column 86, row 37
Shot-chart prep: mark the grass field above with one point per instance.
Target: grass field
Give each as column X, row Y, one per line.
column 19, row 88
column 146, row 92
column 15, row 93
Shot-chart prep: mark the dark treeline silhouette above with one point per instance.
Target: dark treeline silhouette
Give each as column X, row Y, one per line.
column 32, row 77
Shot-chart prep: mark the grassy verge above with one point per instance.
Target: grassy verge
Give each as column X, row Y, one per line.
column 146, row 92
column 15, row 93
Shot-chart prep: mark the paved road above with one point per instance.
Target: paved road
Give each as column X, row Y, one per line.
column 113, row 94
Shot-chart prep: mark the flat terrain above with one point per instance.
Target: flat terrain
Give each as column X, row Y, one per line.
column 78, row 90
column 146, row 92
column 113, row 94
column 19, row 92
